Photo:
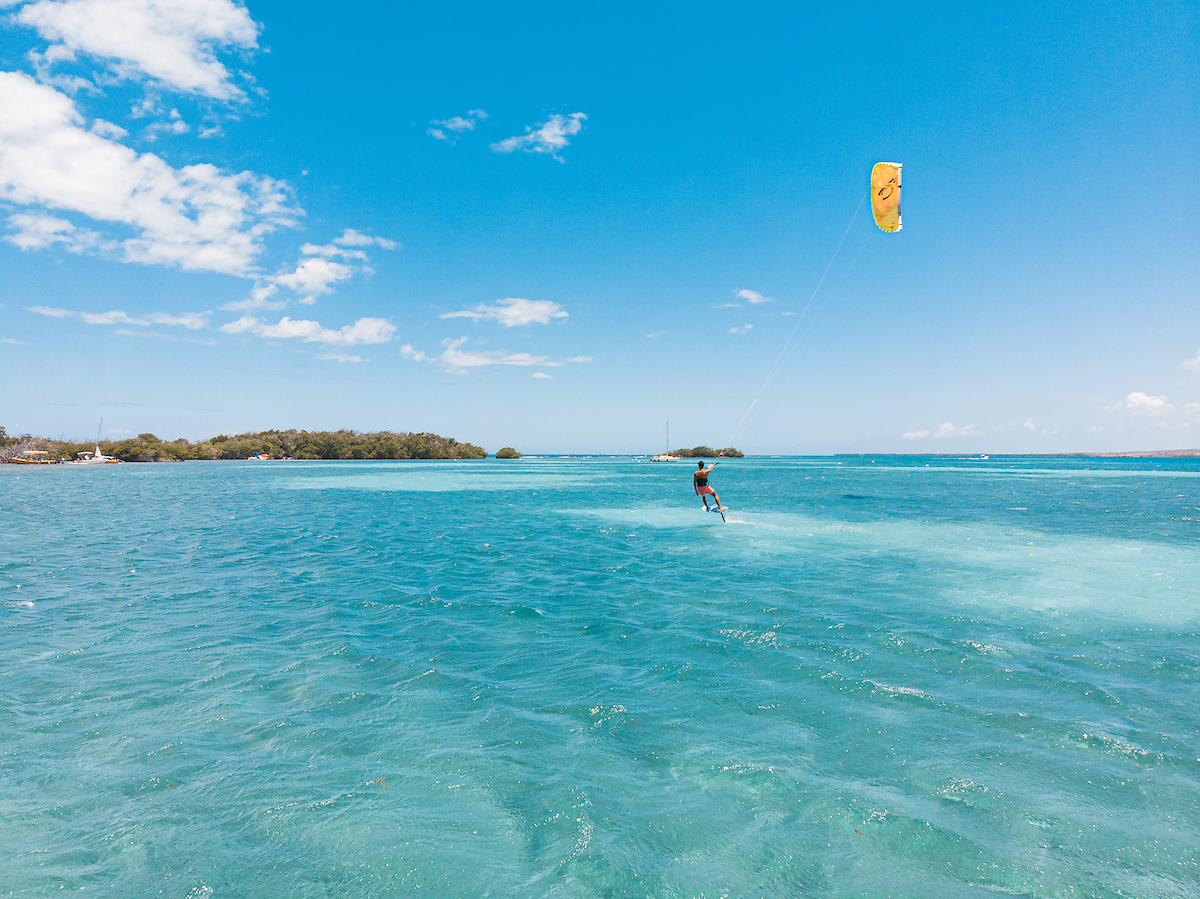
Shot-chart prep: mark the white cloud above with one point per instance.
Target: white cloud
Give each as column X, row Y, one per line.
column 514, row 312
column 339, row 357
column 541, row 375
column 455, row 358
column 108, row 129
column 35, row 232
column 1094, row 429
column 12, row 341
column 752, row 295
column 173, row 125
column 653, row 334
column 742, row 330
column 1029, row 425
column 949, row 429
column 455, row 124
column 51, row 312
column 549, row 137
column 193, row 321
column 1193, row 364
column 170, row 41
column 1143, row 404
column 197, row 217
column 363, row 331
column 313, row 277
column 352, row 238
column 946, row 429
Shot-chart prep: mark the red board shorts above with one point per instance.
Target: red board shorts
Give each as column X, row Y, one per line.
column 706, row 490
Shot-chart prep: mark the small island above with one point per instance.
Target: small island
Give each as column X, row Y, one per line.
column 507, row 453
column 700, row 452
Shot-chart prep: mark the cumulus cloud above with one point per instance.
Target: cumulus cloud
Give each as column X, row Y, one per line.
column 171, row 42
column 548, row 137
column 541, row 375
column 514, row 312
column 752, row 296
column 455, row 125
column 38, row 231
column 174, row 124
column 408, row 351
column 314, row 276
column 1144, row 404
column 914, row 435
column 949, row 429
column 742, row 330
column 193, row 321
column 363, row 331
column 1029, row 425
column 198, row 217
column 1193, row 364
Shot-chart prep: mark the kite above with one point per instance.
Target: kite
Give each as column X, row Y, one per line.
column 885, row 195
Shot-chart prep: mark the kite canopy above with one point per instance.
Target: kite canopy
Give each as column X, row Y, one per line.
column 885, row 195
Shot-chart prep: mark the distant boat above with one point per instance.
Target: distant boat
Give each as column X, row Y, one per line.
column 33, row 457
column 666, row 457
column 94, row 458
column 259, row 457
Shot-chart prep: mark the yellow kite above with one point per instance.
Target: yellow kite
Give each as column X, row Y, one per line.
column 885, row 195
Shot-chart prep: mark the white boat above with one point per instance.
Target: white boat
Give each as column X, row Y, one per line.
column 666, row 457
column 94, row 458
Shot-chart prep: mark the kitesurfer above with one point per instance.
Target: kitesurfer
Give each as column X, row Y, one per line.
column 700, row 484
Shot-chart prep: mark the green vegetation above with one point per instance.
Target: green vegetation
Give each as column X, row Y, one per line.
column 278, row 444
column 507, row 453
column 699, row 452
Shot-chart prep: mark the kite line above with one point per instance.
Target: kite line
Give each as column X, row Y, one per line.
column 788, row 345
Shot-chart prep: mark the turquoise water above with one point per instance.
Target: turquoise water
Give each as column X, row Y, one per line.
column 912, row 677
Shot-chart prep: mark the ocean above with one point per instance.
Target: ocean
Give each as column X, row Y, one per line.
column 559, row 677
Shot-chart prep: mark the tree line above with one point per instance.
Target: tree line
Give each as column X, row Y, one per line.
column 291, row 444
column 699, row 452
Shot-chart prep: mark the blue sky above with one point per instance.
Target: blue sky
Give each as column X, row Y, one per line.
column 533, row 226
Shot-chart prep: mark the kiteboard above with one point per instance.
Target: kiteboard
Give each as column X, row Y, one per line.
column 716, row 509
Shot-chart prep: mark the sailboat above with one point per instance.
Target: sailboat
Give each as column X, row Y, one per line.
column 666, row 457
column 96, row 458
